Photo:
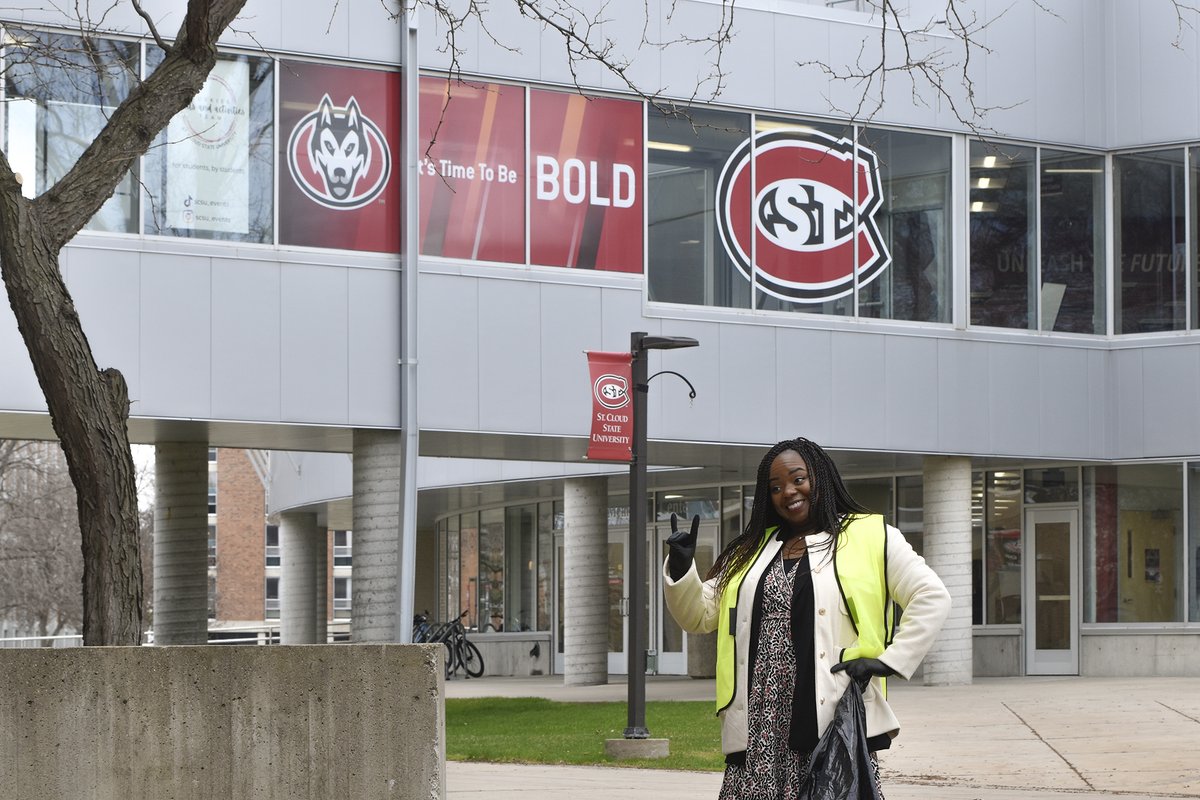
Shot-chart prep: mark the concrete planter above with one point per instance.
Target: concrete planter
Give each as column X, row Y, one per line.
column 223, row 723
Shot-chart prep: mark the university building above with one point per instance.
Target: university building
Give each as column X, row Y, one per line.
column 339, row 255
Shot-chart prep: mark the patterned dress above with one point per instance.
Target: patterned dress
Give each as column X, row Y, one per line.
column 772, row 770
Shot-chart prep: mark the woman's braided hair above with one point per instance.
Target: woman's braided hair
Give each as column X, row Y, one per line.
column 830, row 506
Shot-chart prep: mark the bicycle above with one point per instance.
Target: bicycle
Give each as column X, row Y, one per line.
column 460, row 651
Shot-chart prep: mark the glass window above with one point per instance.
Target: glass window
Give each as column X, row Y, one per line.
column 1052, row 485
column 910, row 510
column 1192, row 556
column 341, row 594
column 1002, row 545
column 1133, row 565
column 804, row 246
column 731, row 516
column 272, row 546
column 545, row 564
column 1149, row 241
column 688, row 261
column 1073, row 267
column 342, row 549
column 1002, row 236
column 875, row 494
column 490, row 614
column 450, row 598
column 977, row 526
column 210, row 173
column 520, row 559
column 271, row 599
column 914, row 222
column 687, row 503
column 468, row 570
column 212, row 545
column 60, row 90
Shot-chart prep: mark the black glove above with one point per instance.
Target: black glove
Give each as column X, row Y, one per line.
column 861, row 670
column 683, row 548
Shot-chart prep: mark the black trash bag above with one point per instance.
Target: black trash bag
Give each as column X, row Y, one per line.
column 840, row 766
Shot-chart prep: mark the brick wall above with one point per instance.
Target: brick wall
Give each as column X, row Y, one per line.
column 241, row 525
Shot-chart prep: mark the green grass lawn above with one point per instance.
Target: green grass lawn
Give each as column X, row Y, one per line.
column 536, row 731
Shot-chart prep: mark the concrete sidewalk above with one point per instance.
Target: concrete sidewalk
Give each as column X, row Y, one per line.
column 998, row 739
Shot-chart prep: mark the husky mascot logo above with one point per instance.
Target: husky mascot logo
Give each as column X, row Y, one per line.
column 338, row 156
column 806, row 211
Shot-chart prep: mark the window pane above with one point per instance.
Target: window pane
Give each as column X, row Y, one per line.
column 545, row 564
column 1133, row 565
column 1072, row 187
column 468, row 592
column 60, row 93
column 731, row 516
column 1192, row 558
column 910, row 510
column 449, row 599
column 520, row 543
column 491, row 571
column 801, row 216
column 1002, row 240
column 688, row 262
column 1149, row 241
column 1002, row 561
column 1052, row 485
column 914, row 220
column 210, row 173
column 1194, row 193
column 875, row 494
column 977, row 587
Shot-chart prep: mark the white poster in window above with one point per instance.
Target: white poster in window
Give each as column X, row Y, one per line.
column 208, row 155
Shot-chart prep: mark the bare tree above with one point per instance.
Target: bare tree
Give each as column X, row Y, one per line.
column 89, row 406
column 41, row 565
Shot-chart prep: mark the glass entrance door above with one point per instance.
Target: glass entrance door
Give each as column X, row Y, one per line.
column 1052, row 591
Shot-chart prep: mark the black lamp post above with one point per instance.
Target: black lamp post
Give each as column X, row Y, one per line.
column 636, row 645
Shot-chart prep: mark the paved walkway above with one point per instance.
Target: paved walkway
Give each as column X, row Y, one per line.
column 998, row 739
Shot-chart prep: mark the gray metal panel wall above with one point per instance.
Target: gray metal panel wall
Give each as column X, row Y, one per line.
column 200, row 334
column 760, row 379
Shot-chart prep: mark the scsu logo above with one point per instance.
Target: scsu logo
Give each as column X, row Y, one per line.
column 612, row 391
column 338, row 156
column 807, row 215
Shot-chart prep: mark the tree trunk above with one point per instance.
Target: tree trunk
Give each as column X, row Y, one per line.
column 89, row 409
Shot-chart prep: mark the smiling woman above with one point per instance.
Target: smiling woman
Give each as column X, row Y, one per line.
column 795, row 625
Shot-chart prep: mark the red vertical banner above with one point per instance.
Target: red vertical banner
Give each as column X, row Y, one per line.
column 612, row 406
column 472, row 170
column 585, row 182
column 339, row 140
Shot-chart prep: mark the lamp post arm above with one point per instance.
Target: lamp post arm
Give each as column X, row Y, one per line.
column 691, row 394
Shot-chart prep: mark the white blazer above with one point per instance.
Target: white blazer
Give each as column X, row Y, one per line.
column 695, row 603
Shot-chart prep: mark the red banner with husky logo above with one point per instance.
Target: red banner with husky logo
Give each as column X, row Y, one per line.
column 339, row 141
column 585, row 182
column 472, row 170
column 612, row 406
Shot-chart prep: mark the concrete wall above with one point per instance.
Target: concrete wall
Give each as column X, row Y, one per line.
column 1125, row 654
column 997, row 655
column 222, row 723
column 513, row 653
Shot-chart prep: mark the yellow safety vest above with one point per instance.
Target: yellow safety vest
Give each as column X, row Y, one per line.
column 860, row 567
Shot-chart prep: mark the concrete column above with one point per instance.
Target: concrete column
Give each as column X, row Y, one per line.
column 181, row 543
column 375, row 583
column 299, row 547
column 585, row 591
column 322, row 553
column 947, row 492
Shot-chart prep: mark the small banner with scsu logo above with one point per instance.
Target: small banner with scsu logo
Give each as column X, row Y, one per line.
column 612, row 406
